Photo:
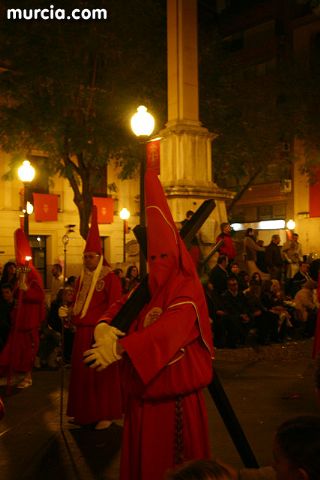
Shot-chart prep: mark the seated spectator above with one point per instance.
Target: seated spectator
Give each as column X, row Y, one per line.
column 244, row 280
column 237, row 321
column 306, row 307
column 234, row 270
column 265, row 322
column 256, row 280
column 132, row 278
column 219, row 274
column 301, row 277
column 273, row 300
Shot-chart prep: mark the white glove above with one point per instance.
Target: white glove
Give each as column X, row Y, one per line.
column 104, row 351
column 63, row 311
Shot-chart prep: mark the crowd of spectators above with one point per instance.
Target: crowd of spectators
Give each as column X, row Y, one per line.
column 270, row 299
column 263, row 304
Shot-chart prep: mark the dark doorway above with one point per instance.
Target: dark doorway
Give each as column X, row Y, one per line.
column 38, row 244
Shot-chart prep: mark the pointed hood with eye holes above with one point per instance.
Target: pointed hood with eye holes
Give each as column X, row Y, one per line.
column 167, row 254
column 93, row 243
column 171, row 269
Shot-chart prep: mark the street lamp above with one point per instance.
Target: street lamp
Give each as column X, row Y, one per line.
column 142, row 125
column 124, row 215
column 291, row 224
column 26, row 174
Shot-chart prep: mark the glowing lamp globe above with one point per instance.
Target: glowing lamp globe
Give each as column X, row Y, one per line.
column 142, row 122
column 26, row 172
column 291, row 224
column 124, row 214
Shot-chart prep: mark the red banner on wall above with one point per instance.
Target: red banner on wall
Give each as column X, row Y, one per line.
column 153, row 155
column 314, row 196
column 105, row 207
column 45, row 207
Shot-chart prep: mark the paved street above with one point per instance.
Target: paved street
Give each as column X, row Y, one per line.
column 265, row 386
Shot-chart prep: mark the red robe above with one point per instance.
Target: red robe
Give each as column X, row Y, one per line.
column 151, row 437
column 94, row 396
column 22, row 346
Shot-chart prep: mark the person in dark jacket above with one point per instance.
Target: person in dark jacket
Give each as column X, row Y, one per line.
column 219, row 274
column 273, row 258
column 237, row 319
column 265, row 322
column 299, row 279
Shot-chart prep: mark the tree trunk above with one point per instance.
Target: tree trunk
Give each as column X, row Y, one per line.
column 82, row 199
column 84, row 214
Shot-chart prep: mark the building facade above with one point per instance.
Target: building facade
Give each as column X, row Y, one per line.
column 260, row 34
column 47, row 237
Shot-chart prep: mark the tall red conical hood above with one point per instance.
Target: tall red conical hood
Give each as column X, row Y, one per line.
column 166, row 251
column 22, row 247
column 93, row 239
column 172, row 273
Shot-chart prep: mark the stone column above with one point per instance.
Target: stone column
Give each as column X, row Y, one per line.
column 186, row 165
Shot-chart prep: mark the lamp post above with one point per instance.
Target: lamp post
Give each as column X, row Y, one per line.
column 26, row 174
column 124, row 215
column 142, row 125
column 291, row 224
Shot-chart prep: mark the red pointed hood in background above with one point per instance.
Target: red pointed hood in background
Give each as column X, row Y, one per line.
column 93, row 239
column 22, row 248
